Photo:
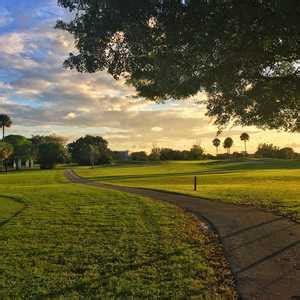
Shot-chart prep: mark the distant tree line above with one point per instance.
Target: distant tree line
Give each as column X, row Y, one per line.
column 48, row 151
column 198, row 153
column 195, row 153
column 271, row 151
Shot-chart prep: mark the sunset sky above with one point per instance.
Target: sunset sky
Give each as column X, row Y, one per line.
column 43, row 98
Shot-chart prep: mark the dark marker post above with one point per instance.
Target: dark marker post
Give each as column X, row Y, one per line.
column 195, row 183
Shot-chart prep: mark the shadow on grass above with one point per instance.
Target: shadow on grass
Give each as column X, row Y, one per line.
column 211, row 168
column 118, row 271
column 268, row 257
column 146, row 176
column 256, row 164
column 18, row 212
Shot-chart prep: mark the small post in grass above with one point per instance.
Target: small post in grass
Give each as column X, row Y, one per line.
column 195, row 183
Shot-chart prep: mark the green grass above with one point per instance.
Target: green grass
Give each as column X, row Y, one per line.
column 70, row 241
column 265, row 183
column 8, row 208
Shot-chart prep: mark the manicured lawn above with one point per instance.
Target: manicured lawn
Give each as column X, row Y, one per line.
column 8, row 208
column 72, row 242
column 266, row 183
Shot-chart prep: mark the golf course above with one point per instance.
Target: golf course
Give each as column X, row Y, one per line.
column 60, row 238
column 63, row 240
column 271, row 184
column 149, row 150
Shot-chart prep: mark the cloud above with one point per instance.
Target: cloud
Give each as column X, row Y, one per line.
column 12, row 43
column 42, row 98
column 157, row 129
column 71, row 115
column 5, row 17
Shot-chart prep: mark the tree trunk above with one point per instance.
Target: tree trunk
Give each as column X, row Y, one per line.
column 3, row 132
column 245, row 146
column 5, row 166
column 92, row 162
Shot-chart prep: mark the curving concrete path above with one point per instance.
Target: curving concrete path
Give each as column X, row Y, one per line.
column 263, row 249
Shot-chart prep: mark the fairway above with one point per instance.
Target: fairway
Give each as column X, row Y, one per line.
column 9, row 207
column 266, row 183
column 71, row 241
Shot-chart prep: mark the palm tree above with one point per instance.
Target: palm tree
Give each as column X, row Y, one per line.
column 245, row 137
column 5, row 121
column 228, row 144
column 6, row 151
column 216, row 142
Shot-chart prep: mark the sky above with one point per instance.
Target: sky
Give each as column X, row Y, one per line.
column 44, row 98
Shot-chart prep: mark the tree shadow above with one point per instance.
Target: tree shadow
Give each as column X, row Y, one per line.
column 268, row 257
column 210, row 168
column 118, row 272
column 17, row 213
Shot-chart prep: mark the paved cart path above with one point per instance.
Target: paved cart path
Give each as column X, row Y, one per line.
column 263, row 249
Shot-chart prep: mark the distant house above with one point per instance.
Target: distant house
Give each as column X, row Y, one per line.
column 121, row 155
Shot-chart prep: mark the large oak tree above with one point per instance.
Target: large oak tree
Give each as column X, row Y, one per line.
column 244, row 54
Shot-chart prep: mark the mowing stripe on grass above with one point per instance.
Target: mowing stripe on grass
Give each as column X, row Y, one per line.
column 10, row 208
column 263, row 249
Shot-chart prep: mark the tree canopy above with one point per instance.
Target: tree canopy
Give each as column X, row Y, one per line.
column 196, row 152
column 23, row 148
column 244, row 136
column 267, row 150
column 85, row 148
column 244, row 54
column 51, row 154
column 5, row 121
column 228, row 143
column 216, row 142
column 6, row 150
column 45, row 139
